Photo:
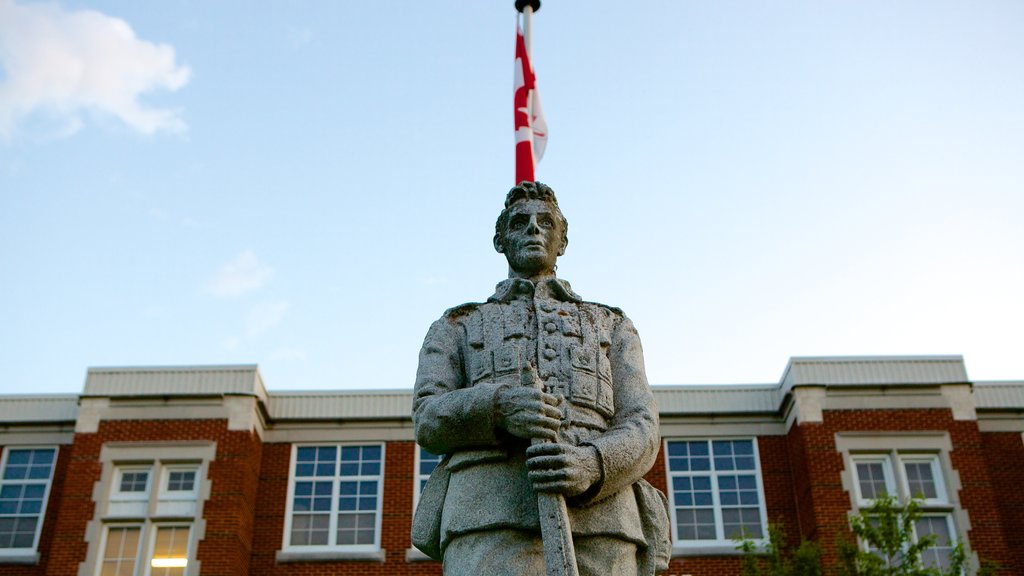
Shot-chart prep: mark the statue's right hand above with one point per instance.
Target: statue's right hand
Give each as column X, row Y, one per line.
column 528, row 413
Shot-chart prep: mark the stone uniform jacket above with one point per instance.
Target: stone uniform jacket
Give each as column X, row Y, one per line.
column 588, row 353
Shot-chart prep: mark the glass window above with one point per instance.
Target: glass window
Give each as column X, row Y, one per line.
column 24, row 485
column 336, row 496
column 941, row 525
column 170, row 551
column 121, row 551
column 425, row 464
column 919, row 477
column 872, row 480
column 134, row 481
column 131, row 483
column 181, row 480
column 716, row 492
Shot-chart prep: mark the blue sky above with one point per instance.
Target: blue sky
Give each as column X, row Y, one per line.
column 307, row 185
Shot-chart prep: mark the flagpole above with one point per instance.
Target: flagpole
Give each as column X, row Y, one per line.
column 527, row 8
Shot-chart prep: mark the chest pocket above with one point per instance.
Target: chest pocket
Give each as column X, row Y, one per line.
column 584, row 376
column 500, row 365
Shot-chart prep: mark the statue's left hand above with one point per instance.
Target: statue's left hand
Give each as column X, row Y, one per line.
column 562, row 468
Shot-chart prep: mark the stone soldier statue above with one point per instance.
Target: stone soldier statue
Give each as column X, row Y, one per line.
column 479, row 510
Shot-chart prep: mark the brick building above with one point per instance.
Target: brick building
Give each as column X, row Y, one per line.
column 189, row 470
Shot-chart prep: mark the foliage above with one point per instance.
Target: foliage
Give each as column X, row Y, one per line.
column 776, row 560
column 887, row 528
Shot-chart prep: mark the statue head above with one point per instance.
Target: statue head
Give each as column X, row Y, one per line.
column 531, row 231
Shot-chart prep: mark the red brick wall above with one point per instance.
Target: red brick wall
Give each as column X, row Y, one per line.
column 396, row 521
column 1004, row 452
column 824, row 504
column 225, row 549
column 49, row 520
column 249, row 481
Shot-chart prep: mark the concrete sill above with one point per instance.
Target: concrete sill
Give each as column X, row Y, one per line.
column 283, row 557
column 414, row 555
column 28, row 558
column 710, row 550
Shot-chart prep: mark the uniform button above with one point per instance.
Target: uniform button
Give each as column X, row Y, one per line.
column 550, row 327
column 550, row 353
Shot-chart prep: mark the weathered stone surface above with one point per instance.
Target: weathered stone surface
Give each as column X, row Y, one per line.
column 537, row 391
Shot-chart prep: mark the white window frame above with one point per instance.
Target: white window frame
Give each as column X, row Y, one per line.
column 720, row 542
column 5, row 552
column 332, row 527
column 165, row 478
column 950, row 525
column 139, row 549
column 115, row 489
column 152, row 529
column 887, row 473
column 418, row 477
column 942, row 496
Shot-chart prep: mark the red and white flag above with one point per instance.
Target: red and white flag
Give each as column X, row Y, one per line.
column 531, row 129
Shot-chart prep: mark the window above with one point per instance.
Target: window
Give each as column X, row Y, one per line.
column 170, row 551
column 121, row 552
column 715, row 491
column 179, row 482
column 910, row 475
column 335, row 497
column 425, row 464
column 155, row 534
column 131, row 483
column 167, row 554
column 24, row 489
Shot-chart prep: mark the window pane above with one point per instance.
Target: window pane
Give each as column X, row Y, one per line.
column 346, row 488
column 170, row 551
column 939, row 555
column 134, row 481
column 871, row 477
column 921, row 479
column 181, row 480
column 705, row 475
column 121, row 552
column 25, row 478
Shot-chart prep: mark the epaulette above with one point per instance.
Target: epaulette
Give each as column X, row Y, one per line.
column 461, row 310
column 612, row 309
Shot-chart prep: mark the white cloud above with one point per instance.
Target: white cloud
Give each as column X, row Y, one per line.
column 243, row 274
column 62, row 63
column 264, row 316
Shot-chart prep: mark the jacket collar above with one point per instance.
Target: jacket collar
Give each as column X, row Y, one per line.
column 554, row 288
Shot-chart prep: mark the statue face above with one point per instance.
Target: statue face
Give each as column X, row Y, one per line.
column 533, row 239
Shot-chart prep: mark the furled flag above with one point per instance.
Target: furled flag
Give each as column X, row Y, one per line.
column 531, row 129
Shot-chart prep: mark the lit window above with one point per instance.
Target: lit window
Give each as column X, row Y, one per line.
column 716, row 492
column 24, row 487
column 121, row 551
column 425, row 464
column 907, row 476
column 336, row 497
column 170, row 551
